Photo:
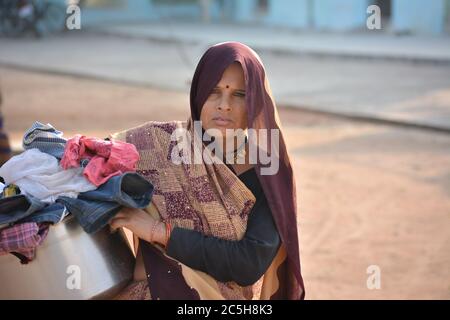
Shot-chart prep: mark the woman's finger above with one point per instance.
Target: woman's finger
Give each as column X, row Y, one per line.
column 120, row 214
column 123, row 213
column 118, row 223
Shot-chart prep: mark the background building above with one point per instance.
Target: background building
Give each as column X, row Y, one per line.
column 399, row 16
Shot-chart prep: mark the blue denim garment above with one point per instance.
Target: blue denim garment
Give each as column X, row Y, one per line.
column 45, row 138
column 18, row 207
column 53, row 213
column 94, row 209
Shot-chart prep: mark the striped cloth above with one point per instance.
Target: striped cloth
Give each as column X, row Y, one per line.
column 45, row 138
column 23, row 239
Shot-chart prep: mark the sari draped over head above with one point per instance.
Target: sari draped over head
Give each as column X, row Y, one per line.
column 208, row 197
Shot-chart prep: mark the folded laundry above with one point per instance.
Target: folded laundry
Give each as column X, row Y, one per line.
column 94, row 209
column 17, row 207
column 45, row 138
column 23, row 239
column 26, row 208
column 39, row 174
column 53, row 213
column 106, row 158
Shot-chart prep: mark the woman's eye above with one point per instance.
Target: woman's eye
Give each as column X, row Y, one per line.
column 240, row 94
column 214, row 94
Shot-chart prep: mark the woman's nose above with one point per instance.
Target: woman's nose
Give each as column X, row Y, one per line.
column 224, row 104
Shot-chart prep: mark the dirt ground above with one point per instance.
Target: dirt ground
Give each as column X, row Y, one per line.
column 367, row 194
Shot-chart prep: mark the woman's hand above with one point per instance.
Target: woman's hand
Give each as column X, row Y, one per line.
column 141, row 224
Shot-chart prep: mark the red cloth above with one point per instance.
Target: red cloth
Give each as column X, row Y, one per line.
column 106, row 158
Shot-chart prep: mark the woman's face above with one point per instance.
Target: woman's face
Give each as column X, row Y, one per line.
column 225, row 107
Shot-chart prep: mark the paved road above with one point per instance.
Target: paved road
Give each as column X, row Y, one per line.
column 398, row 91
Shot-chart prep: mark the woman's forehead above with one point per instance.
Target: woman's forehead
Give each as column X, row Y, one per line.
column 233, row 77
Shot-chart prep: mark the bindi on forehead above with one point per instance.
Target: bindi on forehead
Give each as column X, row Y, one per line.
column 228, row 86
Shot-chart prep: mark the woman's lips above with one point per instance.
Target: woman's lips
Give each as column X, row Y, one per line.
column 222, row 121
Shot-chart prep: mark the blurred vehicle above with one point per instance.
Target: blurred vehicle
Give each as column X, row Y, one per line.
column 19, row 17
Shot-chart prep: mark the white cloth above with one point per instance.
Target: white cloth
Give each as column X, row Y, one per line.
column 2, row 186
column 39, row 174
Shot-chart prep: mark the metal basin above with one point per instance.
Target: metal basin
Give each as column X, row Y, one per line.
column 70, row 264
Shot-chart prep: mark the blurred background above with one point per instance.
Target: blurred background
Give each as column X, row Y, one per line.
column 365, row 111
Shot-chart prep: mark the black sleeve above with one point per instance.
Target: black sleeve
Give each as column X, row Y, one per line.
column 243, row 261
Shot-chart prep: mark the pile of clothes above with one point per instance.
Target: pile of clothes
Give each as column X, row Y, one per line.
column 87, row 177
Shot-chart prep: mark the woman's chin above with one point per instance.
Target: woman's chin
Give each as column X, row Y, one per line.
column 219, row 132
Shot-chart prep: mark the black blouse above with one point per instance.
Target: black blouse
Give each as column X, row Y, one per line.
column 243, row 261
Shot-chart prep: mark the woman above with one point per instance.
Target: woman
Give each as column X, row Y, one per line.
column 224, row 227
